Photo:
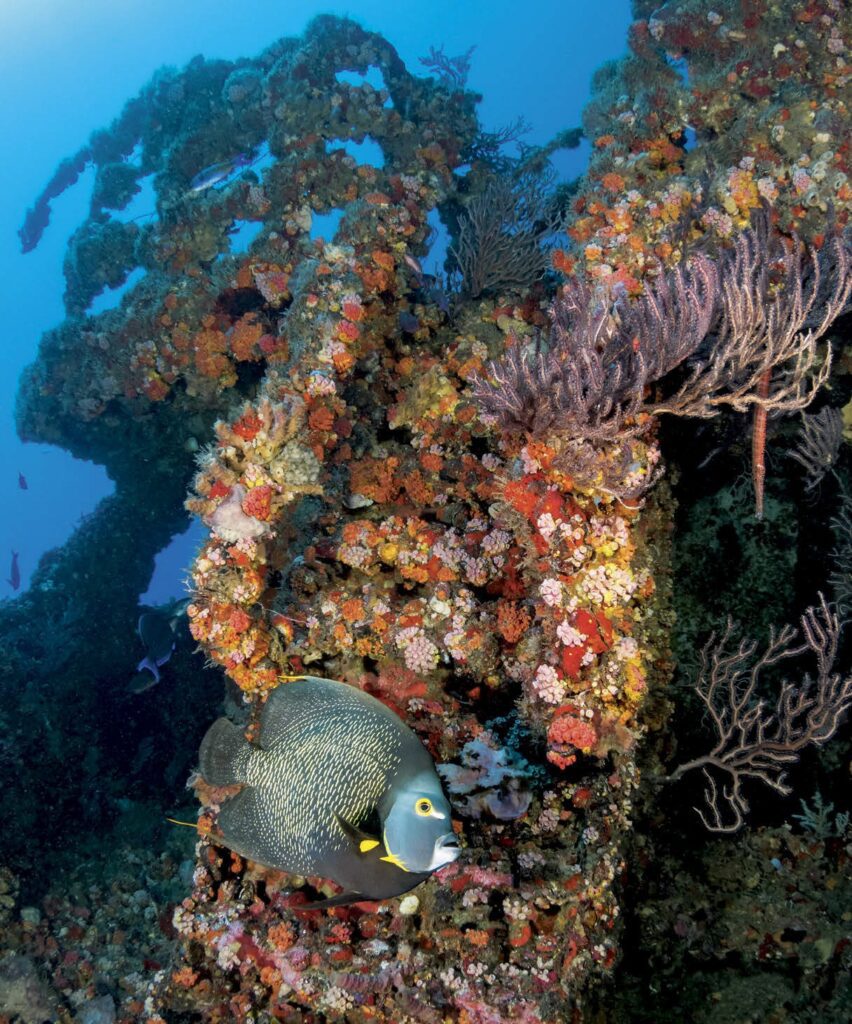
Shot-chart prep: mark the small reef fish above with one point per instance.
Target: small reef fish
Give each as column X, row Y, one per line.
column 14, row 580
column 158, row 636
column 408, row 322
column 22, row 482
column 335, row 785
column 428, row 285
column 217, row 173
column 414, row 263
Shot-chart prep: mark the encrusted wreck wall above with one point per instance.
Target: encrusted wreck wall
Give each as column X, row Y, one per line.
column 369, row 522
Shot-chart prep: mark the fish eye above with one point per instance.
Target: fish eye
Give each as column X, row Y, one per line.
column 423, row 807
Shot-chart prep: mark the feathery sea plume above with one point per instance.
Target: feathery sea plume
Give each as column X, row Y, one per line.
column 819, row 446
column 744, row 329
column 588, row 376
column 776, row 301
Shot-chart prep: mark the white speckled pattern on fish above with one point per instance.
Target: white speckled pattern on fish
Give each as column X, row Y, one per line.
column 325, row 749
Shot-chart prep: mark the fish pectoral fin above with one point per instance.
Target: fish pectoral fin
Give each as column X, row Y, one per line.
column 390, row 857
column 362, row 841
column 365, row 843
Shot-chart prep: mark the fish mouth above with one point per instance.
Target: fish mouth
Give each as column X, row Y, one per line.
column 446, row 850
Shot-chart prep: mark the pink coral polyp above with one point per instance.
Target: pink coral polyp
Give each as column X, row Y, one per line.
column 258, row 502
column 567, row 730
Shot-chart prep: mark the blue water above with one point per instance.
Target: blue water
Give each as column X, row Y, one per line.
column 67, row 69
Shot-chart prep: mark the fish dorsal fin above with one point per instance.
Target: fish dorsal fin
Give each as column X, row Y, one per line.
column 295, row 707
column 362, row 841
column 305, row 704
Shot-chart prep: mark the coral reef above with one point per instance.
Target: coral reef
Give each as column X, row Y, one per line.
column 456, row 584
column 717, row 109
column 502, row 580
column 367, row 524
column 84, row 951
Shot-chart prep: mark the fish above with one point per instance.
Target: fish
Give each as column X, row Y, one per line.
column 14, row 580
column 408, row 322
column 433, row 291
column 158, row 636
column 22, row 482
column 414, row 264
column 336, row 785
column 177, row 612
column 216, row 173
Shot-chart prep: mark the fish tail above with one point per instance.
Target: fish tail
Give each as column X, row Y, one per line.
column 224, row 753
column 147, row 663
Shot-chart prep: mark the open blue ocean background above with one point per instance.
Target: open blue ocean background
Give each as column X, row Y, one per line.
column 67, row 69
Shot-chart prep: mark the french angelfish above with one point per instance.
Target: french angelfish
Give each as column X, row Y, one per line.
column 156, row 633
column 338, row 786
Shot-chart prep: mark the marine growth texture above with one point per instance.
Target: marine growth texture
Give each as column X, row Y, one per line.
column 507, row 593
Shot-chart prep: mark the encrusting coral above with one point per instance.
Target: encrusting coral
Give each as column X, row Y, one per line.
column 367, row 523
column 505, row 589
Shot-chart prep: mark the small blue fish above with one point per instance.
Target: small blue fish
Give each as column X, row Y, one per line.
column 409, row 322
column 217, row 173
column 434, row 292
column 22, row 482
column 14, row 580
